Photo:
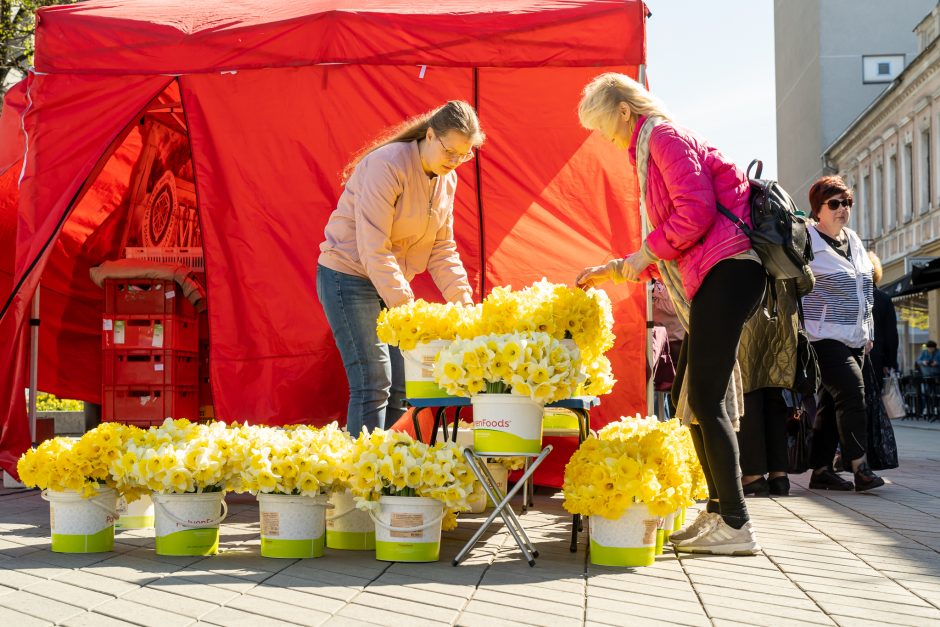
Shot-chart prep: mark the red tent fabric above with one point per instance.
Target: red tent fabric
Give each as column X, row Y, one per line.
column 276, row 96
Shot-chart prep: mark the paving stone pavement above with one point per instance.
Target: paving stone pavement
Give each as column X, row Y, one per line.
column 828, row 559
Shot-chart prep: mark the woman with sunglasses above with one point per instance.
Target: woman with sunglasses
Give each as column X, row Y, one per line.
column 394, row 220
column 838, row 317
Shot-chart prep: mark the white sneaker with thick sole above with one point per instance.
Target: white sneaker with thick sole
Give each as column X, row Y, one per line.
column 701, row 523
column 723, row 539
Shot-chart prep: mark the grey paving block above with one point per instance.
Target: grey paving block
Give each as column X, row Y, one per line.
column 67, row 593
column 18, row 619
column 767, row 618
column 314, row 586
column 140, row 614
column 387, row 618
column 39, row 606
column 412, row 606
column 519, row 613
column 229, row 617
column 344, row 621
column 98, row 583
column 201, row 590
column 162, row 599
column 93, row 619
column 286, row 612
column 292, row 596
column 468, row 619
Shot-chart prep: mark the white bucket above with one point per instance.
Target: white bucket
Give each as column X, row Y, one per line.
column 478, row 500
column 627, row 541
column 349, row 528
column 292, row 526
column 188, row 524
column 408, row 529
column 419, row 370
column 81, row 525
column 137, row 514
column 506, row 424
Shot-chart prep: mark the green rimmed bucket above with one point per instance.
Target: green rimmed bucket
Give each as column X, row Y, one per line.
column 408, row 529
column 626, row 541
column 348, row 528
column 292, row 526
column 82, row 525
column 136, row 514
column 188, row 524
column 419, row 370
column 506, row 424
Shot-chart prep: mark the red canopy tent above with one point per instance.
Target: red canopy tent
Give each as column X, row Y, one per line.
column 273, row 97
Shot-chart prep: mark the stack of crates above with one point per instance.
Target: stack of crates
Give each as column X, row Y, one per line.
column 150, row 344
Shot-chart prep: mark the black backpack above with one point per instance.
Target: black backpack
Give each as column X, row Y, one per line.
column 779, row 236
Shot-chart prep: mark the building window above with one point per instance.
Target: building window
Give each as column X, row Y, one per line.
column 891, row 214
column 877, row 201
column 924, row 183
column 881, row 68
column 907, row 181
column 865, row 215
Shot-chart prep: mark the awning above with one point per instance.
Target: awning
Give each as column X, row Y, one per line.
column 923, row 277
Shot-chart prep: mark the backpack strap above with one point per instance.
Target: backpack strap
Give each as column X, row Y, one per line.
column 757, row 171
column 738, row 222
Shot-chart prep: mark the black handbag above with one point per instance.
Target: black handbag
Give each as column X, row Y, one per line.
column 800, row 435
column 882, row 451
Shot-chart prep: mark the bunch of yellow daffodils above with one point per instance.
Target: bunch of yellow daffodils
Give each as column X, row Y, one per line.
column 393, row 463
column 297, row 459
column 408, row 325
column 633, row 460
column 528, row 364
column 75, row 464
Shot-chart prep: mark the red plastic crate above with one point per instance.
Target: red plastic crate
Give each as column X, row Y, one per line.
column 167, row 332
column 145, row 296
column 153, row 368
column 148, row 405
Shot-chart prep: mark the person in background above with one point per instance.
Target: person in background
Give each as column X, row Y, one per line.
column 394, row 219
column 712, row 274
column 768, row 367
column 838, row 316
column 884, row 352
column 928, row 362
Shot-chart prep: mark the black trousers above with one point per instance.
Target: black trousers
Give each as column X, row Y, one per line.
column 762, row 439
column 729, row 295
column 841, row 417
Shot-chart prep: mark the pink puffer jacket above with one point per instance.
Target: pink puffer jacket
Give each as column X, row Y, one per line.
column 684, row 176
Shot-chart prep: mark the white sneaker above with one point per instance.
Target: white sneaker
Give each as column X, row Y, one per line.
column 701, row 523
column 723, row 539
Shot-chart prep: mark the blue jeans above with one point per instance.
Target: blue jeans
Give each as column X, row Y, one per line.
column 375, row 370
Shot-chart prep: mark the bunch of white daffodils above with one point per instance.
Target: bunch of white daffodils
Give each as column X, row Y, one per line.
column 528, row 364
column 178, row 457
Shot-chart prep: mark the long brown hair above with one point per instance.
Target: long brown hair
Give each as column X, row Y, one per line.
column 456, row 115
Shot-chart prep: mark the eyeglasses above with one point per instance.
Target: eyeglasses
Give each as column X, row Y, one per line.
column 835, row 203
column 455, row 157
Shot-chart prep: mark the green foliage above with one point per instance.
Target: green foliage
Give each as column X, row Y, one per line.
column 17, row 23
column 48, row 402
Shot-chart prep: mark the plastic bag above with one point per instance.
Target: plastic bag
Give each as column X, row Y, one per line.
column 882, row 450
column 892, row 398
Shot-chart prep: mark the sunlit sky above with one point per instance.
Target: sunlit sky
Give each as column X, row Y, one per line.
column 712, row 63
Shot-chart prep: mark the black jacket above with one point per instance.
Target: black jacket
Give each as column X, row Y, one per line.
column 884, row 353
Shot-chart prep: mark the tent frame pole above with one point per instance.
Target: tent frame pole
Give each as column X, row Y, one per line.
column 33, row 363
column 648, row 293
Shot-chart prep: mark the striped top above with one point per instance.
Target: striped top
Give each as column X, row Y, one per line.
column 840, row 305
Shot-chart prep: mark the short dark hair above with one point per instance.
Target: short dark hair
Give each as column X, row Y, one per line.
column 931, row 344
column 824, row 188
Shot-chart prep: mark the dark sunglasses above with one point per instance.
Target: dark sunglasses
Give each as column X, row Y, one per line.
column 834, row 203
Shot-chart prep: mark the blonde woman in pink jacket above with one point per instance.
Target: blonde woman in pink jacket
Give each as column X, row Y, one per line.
column 394, row 220
column 715, row 280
